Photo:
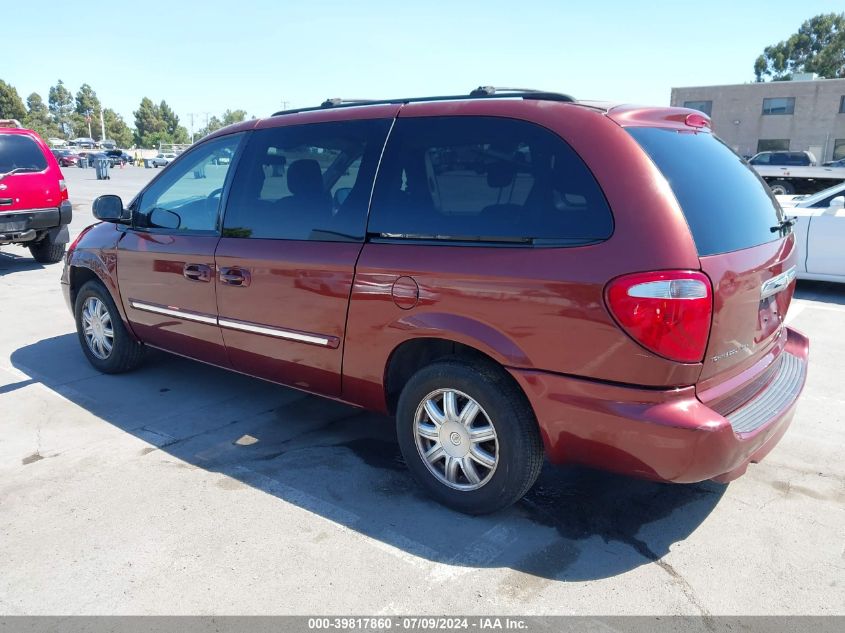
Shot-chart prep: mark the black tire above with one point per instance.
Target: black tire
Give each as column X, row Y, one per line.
column 126, row 353
column 782, row 188
column 518, row 442
column 46, row 251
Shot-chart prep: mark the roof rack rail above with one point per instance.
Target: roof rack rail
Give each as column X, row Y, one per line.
column 10, row 123
column 482, row 92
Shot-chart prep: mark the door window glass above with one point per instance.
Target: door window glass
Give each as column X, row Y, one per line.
column 306, row 182
column 187, row 195
column 485, row 179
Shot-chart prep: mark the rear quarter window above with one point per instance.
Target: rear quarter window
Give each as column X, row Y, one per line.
column 727, row 205
column 19, row 151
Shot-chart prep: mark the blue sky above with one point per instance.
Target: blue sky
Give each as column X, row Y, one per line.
column 208, row 56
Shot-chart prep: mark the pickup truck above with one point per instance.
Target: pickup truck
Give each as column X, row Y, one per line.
column 786, row 180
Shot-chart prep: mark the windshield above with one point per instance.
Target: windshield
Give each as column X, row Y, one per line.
column 18, row 151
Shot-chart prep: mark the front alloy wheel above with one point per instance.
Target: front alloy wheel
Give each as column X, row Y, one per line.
column 456, row 440
column 97, row 328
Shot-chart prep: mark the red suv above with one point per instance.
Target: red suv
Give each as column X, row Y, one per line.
column 506, row 273
column 34, row 207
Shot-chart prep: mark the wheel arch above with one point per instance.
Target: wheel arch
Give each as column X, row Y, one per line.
column 88, row 266
column 413, row 354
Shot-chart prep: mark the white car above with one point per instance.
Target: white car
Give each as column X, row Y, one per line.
column 162, row 160
column 819, row 233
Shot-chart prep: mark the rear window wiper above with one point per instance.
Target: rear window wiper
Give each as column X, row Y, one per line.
column 18, row 170
column 784, row 225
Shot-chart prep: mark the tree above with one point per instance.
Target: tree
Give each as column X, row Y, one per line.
column 817, row 47
column 11, row 106
column 116, row 128
column 87, row 101
column 214, row 123
column 38, row 117
column 150, row 128
column 177, row 133
column 61, row 105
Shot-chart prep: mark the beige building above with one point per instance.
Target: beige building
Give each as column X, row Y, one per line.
column 803, row 114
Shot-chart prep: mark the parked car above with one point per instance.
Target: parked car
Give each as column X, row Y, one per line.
column 835, row 163
column 793, row 159
column 118, row 157
column 92, row 158
column 34, row 206
column 632, row 323
column 819, row 233
column 66, row 158
column 163, row 160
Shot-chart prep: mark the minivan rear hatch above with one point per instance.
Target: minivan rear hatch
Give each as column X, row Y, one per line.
column 744, row 246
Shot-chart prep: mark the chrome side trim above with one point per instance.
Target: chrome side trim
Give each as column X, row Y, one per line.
column 277, row 332
column 233, row 324
column 174, row 312
column 776, row 284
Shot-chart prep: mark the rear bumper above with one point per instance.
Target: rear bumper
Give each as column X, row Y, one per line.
column 666, row 435
column 28, row 224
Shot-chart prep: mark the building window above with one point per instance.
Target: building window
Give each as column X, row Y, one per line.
column 839, row 148
column 702, row 106
column 779, row 105
column 842, row 105
column 773, row 145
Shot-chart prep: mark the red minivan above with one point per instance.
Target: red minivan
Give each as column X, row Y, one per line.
column 34, row 206
column 509, row 274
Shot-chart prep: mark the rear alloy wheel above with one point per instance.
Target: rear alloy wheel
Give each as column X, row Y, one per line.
column 468, row 435
column 456, row 440
column 46, row 251
column 102, row 335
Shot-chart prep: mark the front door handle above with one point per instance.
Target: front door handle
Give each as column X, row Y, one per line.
column 197, row 272
column 235, row 277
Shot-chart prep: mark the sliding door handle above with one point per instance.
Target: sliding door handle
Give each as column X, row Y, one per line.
column 235, row 277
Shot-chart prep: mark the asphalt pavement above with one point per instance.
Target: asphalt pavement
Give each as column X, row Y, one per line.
column 185, row 489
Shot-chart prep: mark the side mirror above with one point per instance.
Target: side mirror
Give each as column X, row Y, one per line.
column 835, row 204
column 165, row 219
column 109, row 208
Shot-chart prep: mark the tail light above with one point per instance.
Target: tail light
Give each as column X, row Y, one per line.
column 63, row 189
column 667, row 312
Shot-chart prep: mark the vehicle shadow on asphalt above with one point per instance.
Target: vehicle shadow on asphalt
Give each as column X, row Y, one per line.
column 17, row 262
column 827, row 291
column 344, row 464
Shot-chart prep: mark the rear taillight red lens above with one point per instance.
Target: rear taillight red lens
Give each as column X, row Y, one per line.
column 63, row 189
column 667, row 312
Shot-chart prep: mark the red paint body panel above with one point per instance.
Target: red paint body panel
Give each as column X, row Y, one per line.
column 35, row 190
column 150, row 269
column 300, row 286
column 656, row 434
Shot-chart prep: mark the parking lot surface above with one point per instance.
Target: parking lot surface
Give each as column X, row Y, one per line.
column 182, row 488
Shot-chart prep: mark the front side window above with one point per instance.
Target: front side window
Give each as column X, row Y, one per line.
column 187, row 195
column 19, row 151
column 779, row 105
column 306, row 182
column 839, row 148
column 485, row 179
column 702, row 106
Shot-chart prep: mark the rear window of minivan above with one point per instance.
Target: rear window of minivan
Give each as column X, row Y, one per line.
column 727, row 205
column 20, row 151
